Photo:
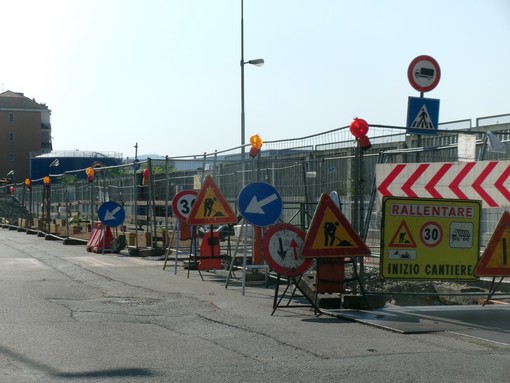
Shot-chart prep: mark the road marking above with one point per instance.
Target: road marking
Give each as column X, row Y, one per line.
column 95, row 261
column 27, row 262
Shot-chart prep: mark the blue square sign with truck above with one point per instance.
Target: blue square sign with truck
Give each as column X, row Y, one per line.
column 422, row 115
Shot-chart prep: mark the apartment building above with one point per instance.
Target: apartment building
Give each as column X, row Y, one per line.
column 25, row 131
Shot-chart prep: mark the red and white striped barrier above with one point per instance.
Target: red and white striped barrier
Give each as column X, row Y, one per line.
column 488, row 181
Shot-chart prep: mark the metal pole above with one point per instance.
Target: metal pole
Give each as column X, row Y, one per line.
column 135, row 196
column 243, row 121
column 30, row 208
column 242, row 86
column 68, row 213
column 48, row 208
column 91, row 183
column 361, row 213
column 167, row 237
column 152, row 196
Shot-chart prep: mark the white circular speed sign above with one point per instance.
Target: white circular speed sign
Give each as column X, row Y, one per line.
column 182, row 203
column 431, row 234
column 424, row 73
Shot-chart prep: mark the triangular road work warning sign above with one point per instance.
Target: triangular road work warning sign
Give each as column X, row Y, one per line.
column 210, row 207
column 331, row 235
column 495, row 260
column 403, row 237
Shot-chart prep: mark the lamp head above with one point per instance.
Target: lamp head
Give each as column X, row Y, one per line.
column 359, row 129
column 256, row 62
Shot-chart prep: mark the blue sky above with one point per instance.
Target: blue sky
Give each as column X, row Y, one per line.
column 165, row 73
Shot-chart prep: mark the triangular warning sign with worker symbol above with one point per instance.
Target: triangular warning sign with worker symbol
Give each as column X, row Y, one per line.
column 331, row 234
column 495, row 260
column 210, row 207
column 403, row 237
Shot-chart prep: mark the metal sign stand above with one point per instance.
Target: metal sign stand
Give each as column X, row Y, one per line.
column 292, row 281
column 167, row 253
column 244, row 234
column 492, row 289
column 193, row 253
column 233, row 256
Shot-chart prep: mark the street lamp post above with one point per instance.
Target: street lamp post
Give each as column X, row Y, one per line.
column 256, row 62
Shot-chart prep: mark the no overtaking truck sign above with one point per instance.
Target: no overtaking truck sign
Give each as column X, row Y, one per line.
column 424, row 73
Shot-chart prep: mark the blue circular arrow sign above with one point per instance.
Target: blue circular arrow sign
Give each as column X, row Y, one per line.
column 260, row 204
column 111, row 214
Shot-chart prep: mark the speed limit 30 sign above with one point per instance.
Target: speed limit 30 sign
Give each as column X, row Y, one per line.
column 183, row 202
column 431, row 234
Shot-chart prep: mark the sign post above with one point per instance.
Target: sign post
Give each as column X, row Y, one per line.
column 423, row 74
column 261, row 205
column 282, row 251
column 181, row 208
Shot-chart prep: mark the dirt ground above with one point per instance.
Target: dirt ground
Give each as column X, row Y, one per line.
column 422, row 293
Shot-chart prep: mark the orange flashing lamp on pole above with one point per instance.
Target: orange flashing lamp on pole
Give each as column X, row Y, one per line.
column 359, row 129
column 256, row 143
column 47, row 181
column 90, row 174
column 28, row 183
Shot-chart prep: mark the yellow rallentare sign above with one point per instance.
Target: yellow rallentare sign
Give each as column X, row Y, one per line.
column 430, row 238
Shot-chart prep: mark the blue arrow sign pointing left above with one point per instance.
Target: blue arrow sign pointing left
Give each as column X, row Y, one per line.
column 260, row 204
column 111, row 214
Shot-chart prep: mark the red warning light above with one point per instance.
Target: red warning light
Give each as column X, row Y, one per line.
column 359, row 129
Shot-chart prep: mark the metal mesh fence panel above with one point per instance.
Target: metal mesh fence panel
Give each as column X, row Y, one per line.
column 300, row 169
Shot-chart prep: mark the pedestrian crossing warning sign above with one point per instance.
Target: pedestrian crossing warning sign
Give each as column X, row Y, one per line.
column 210, row 207
column 422, row 115
column 495, row 260
column 403, row 237
column 422, row 120
column 331, row 234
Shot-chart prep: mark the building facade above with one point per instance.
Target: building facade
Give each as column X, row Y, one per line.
column 25, row 131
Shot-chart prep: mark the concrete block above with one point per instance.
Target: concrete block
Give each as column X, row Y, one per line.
column 359, row 302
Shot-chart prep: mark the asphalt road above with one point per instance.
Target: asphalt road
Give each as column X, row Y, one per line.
column 72, row 316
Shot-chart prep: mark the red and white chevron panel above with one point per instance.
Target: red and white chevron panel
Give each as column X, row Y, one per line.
column 488, row 181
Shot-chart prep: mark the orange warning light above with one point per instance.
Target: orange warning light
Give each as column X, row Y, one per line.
column 90, row 174
column 256, row 143
column 28, row 183
column 47, row 181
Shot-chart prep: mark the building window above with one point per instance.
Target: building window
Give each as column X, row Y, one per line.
column 11, row 157
column 11, row 117
column 11, row 136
